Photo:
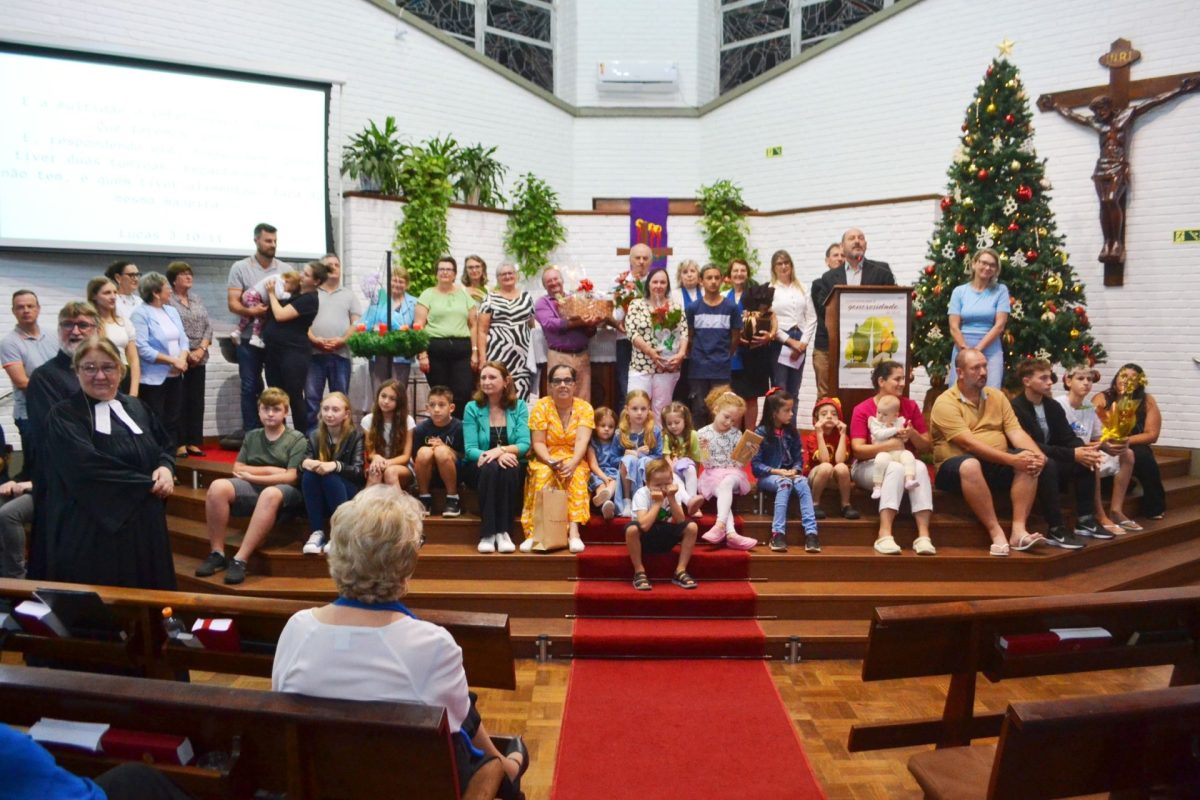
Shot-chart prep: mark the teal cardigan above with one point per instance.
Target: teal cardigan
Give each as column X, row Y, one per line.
column 477, row 432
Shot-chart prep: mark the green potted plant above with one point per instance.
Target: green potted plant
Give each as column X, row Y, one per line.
column 726, row 232
column 421, row 236
column 533, row 226
column 479, row 176
column 374, row 156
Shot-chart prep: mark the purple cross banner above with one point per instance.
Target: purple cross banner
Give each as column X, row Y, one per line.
column 648, row 225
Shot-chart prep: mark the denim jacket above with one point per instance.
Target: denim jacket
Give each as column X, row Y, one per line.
column 770, row 453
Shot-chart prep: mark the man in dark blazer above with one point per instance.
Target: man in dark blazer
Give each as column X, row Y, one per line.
column 857, row 271
column 1068, row 458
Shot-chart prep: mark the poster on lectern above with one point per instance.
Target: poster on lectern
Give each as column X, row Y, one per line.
column 874, row 328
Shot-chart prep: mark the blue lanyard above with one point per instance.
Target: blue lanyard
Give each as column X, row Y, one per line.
column 396, row 605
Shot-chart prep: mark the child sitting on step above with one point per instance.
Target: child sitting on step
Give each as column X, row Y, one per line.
column 333, row 471
column 641, row 441
column 388, row 432
column 827, row 455
column 778, row 465
column 660, row 522
column 604, row 460
column 884, row 425
column 681, row 445
column 439, row 444
column 723, row 477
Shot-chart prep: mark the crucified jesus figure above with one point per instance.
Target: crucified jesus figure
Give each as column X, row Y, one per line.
column 1115, row 126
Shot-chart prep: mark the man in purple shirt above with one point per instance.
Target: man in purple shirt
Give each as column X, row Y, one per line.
column 567, row 338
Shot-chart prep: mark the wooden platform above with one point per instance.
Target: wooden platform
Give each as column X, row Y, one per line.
column 822, row 601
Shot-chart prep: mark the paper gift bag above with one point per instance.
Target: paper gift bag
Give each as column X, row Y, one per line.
column 550, row 521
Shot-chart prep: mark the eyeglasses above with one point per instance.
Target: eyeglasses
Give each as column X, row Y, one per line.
column 83, row 326
column 130, row 274
column 561, row 381
column 91, row 369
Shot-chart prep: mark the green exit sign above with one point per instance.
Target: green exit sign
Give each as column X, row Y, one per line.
column 1181, row 237
column 775, row 152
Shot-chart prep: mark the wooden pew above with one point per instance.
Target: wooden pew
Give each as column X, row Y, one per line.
column 309, row 747
column 484, row 638
column 1065, row 748
column 960, row 639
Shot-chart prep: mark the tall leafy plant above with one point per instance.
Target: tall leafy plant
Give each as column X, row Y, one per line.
column 534, row 230
column 479, row 176
column 726, row 232
column 374, row 157
column 421, row 237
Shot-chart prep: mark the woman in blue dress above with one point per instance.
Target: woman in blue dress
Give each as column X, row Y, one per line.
column 978, row 314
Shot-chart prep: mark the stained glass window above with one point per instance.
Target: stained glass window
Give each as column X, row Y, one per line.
column 756, row 35
column 517, row 34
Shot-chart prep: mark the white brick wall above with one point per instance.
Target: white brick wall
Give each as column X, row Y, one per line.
column 875, row 117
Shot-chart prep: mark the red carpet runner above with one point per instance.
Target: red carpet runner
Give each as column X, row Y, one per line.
column 642, row 723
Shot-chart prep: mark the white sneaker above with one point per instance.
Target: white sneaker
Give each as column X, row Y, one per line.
column 315, row 541
column 627, row 509
column 504, row 543
column 526, row 546
column 609, row 509
column 576, row 545
column 877, row 492
column 257, row 341
column 487, row 544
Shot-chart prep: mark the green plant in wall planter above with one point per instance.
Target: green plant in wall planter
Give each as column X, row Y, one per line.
column 479, row 176
column 374, row 157
column 726, row 232
column 534, row 230
column 421, row 237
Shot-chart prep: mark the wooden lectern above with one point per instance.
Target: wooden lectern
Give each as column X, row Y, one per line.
column 867, row 325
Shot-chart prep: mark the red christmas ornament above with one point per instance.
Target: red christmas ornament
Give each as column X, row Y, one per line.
column 965, row 128
column 929, row 269
column 1051, row 308
column 959, row 228
column 1031, row 255
column 946, row 203
column 1009, row 119
column 1013, row 227
column 1024, row 193
column 937, row 290
column 1087, row 349
column 914, row 295
column 962, row 249
column 1080, row 310
column 982, row 174
column 989, row 72
column 920, row 314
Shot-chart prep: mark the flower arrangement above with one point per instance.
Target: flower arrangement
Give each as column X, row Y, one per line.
column 404, row 341
column 665, row 319
column 1119, row 419
column 625, row 290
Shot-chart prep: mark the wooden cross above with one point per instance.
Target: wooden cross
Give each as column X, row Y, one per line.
column 1113, row 118
column 658, row 252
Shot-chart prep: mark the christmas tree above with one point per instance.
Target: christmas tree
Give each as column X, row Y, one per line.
column 998, row 197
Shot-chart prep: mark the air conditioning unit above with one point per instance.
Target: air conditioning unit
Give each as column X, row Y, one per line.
column 637, row 76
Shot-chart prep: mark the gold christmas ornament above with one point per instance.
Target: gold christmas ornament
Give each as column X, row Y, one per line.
column 1012, row 83
column 1043, row 232
column 994, row 230
column 1048, row 317
column 968, row 202
column 1015, row 165
column 1054, row 283
column 1065, row 258
column 991, row 108
column 1074, row 333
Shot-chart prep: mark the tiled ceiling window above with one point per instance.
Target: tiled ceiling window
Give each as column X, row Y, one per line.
column 517, row 34
column 756, row 35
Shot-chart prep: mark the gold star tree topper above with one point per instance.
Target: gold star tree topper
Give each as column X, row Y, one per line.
column 1006, row 47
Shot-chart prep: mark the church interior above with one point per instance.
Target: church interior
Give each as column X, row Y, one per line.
column 938, row 130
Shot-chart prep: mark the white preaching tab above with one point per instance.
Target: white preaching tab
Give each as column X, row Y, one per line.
column 105, row 410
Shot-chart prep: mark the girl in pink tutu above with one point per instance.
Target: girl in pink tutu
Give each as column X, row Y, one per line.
column 723, row 477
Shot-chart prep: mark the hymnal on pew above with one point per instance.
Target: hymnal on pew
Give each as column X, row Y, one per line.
column 1055, row 640
column 38, row 619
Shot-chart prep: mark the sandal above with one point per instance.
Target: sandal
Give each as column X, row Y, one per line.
column 1115, row 529
column 1126, row 523
column 683, row 580
column 999, row 549
column 1027, row 541
column 196, row 452
column 641, row 582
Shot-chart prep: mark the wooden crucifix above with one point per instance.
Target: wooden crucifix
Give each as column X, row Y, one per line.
column 1113, row 117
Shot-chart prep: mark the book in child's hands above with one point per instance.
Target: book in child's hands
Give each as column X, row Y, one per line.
column 746, row 446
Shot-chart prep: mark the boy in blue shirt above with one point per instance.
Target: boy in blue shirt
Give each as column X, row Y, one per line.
column 438, row 442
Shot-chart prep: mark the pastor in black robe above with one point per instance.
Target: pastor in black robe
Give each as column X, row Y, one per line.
column 102, row 524
column 49, row 385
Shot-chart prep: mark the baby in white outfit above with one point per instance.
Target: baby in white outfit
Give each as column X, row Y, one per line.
column 886, row 423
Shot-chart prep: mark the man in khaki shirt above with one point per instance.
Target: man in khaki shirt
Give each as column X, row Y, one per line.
column 980, row 447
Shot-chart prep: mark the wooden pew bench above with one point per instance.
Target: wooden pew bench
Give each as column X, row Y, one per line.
column 961, row 639
column 1067, row 748
column 306, row 746
column 484, row 638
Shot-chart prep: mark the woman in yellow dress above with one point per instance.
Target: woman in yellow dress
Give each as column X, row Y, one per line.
column 560, row 427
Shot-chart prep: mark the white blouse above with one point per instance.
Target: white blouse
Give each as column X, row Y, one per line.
column 120, row 334
column 409, row 660
column 794, row 309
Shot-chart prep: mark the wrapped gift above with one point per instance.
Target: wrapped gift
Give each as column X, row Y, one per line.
column 585, row 306
column 218, row 634
column 756, row 314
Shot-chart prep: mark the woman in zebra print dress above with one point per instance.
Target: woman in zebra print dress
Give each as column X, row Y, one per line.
column 505, row 320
